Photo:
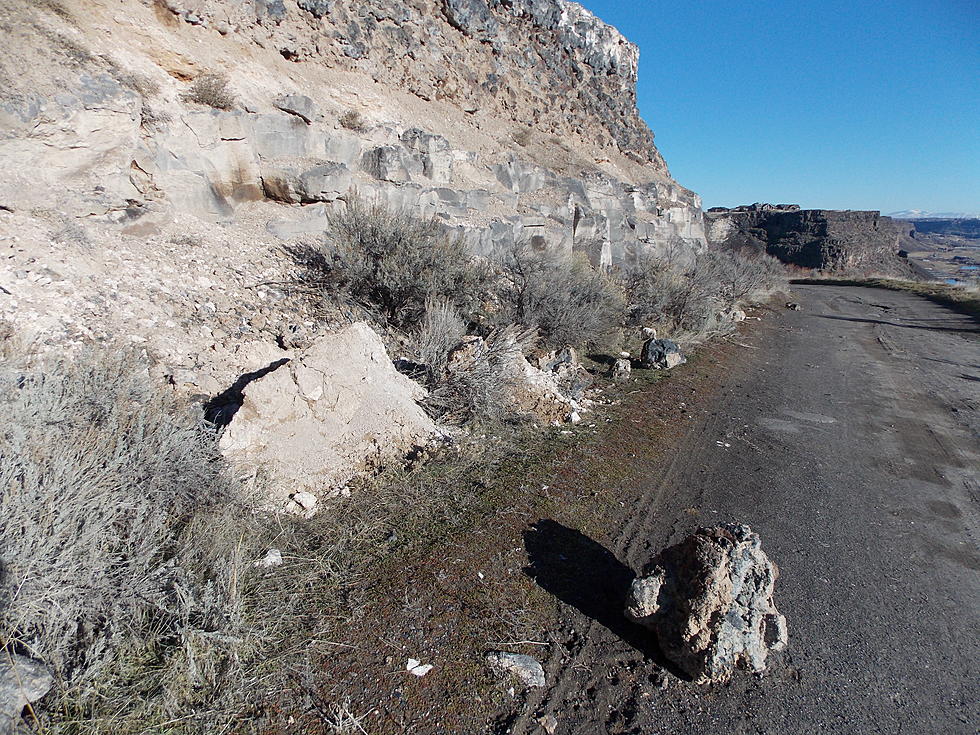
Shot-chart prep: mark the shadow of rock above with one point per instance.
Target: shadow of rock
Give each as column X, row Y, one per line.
column 221, row 409
column 584, row 574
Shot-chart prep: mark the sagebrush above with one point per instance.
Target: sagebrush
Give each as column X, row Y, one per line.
column 391, row 262
column 689, row 295
column 212, row 89
column 561, row 296
column 115, row 515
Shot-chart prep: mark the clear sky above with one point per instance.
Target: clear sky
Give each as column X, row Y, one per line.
column 869, row 104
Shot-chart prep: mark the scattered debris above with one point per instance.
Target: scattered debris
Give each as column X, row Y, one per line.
column 526, row 668
column 709, row 601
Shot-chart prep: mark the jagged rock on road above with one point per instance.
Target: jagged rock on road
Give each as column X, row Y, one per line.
column 709, row 600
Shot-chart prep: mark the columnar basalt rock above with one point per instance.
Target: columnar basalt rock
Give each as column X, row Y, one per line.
column 444, row 88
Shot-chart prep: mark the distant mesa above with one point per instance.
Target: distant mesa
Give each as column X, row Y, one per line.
column 822, row 239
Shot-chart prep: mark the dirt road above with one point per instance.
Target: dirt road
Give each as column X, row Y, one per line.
column 850, row 440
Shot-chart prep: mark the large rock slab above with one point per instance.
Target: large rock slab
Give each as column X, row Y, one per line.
column 323, row 183
column 709, row 600
column 332, row 410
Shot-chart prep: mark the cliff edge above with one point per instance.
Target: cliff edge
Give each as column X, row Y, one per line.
column 821, row 239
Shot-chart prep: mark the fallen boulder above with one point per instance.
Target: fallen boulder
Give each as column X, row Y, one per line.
column 661, row 354
column 318, row 416
column 709, row 601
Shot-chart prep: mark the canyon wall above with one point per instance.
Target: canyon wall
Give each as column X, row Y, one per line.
column 815, row 238
column 163, row 160
column 510, row 121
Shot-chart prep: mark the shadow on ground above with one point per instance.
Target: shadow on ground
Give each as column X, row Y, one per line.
column 584, row 574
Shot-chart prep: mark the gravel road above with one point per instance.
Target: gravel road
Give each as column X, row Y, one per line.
column 848, row 438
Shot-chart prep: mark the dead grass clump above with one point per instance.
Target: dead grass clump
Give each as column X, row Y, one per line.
column 561, row 296
column 120, row 562
column 470, row 379
column 212, row 90
column 354, row 121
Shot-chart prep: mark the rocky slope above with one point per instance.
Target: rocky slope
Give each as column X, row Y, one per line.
column 814, row 238
column 145, row 200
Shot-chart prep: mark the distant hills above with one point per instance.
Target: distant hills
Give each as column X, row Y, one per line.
column 923, row 214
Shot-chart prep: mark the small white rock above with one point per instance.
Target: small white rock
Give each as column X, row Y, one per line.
column 525, row 668
column 272, row 558
column 305, row 500
column 417, row 668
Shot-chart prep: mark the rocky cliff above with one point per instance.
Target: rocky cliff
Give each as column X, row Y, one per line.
column 509, row 120
column 160, row 158
column 814, row 238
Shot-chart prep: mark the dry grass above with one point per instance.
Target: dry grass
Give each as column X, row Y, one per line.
column 128, row 557
column 561, row 296
column 212, row 90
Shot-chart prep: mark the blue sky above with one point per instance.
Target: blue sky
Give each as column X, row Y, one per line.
column 859, row 105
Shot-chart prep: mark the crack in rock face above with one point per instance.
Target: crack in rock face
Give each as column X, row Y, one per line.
column 709, row 601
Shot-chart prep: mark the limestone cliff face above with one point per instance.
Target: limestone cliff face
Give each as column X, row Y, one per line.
column 814, row 238
column 510, row 120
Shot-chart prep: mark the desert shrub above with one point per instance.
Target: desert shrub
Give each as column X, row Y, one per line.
column 211, row 89
column 390, row 262
column 353, row 120
column 561, row 296
column 745, row 276
column 523, row 137
column 679, row 296
column 470, row 379
column 122, row 537
column 687, row 294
